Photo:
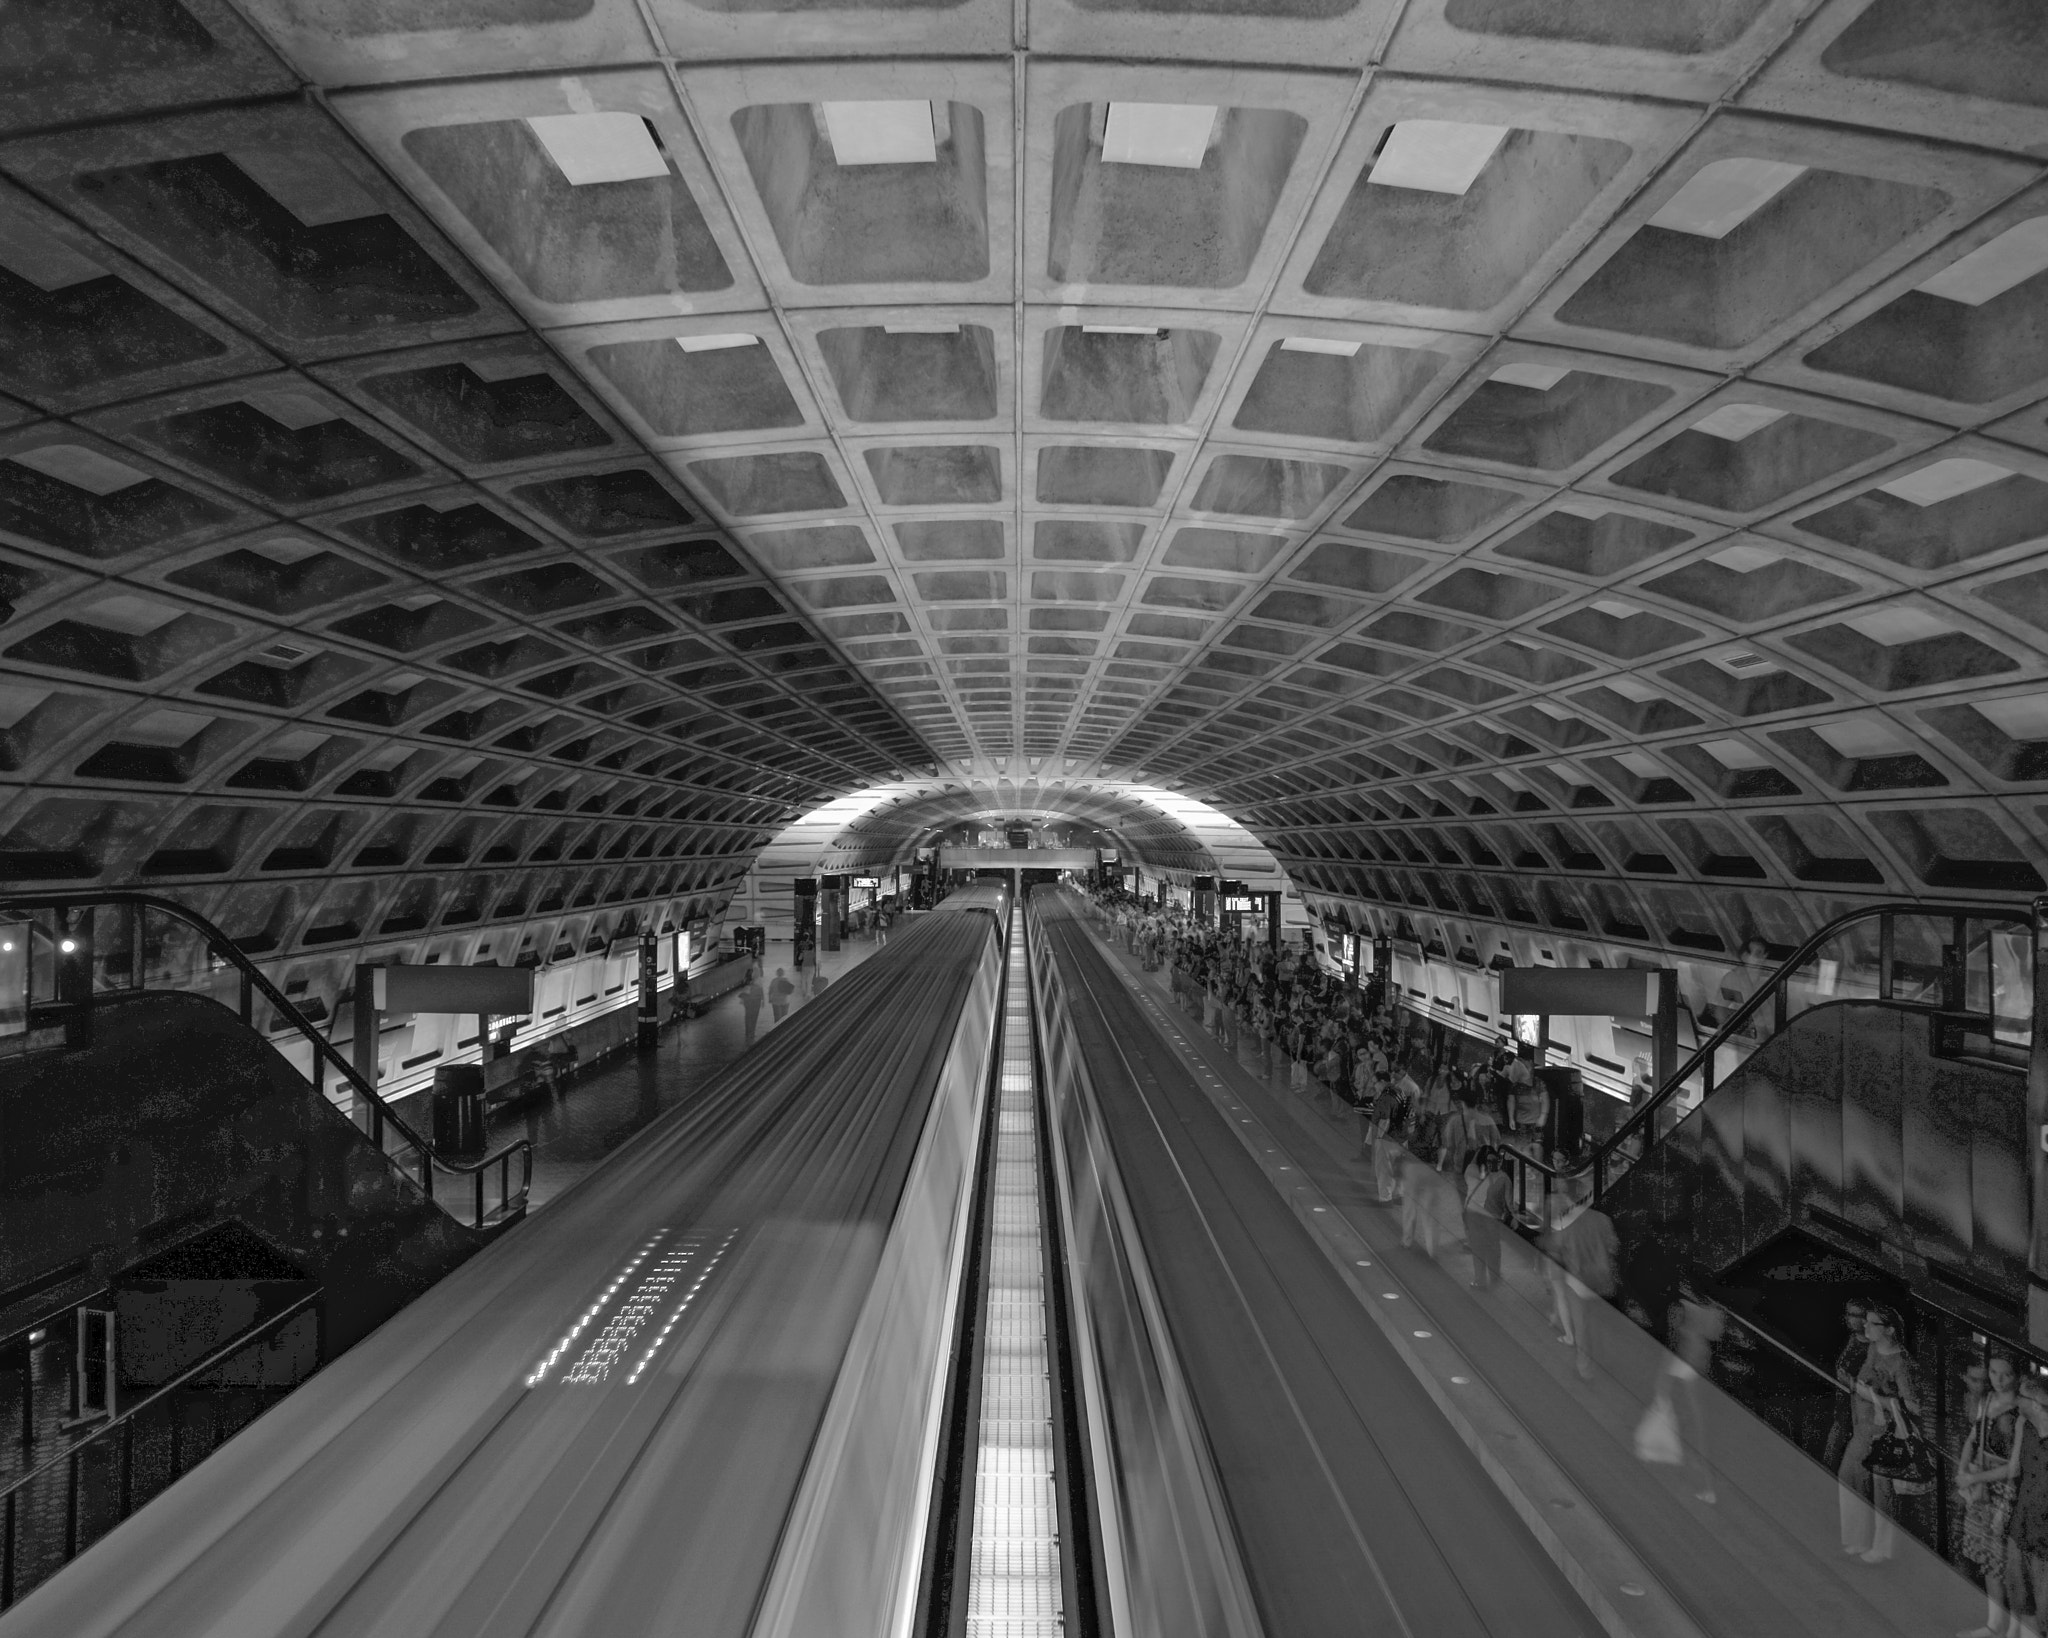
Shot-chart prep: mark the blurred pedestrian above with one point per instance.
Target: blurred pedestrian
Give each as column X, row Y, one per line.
column 1486, row 1209
column 1582, row 1249
column 1847, row 1363
column 750, row 1003
column 1885, row 1398
column 780, row 990
column 1986, row 1481
column 1696, row 1326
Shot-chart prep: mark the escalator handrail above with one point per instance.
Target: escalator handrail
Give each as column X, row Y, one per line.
column 1702, row 1055
column 229, row 951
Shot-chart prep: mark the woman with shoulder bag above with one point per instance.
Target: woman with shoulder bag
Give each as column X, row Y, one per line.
column 1886, row 1402
column 1986, row 1470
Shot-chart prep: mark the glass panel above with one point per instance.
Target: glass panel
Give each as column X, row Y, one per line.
column 1844, row 968
column 1917, row 945
column 42, row 959
column 113, row 947
column 1999, row 978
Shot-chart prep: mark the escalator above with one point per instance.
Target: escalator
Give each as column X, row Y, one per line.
column 182, row 1207
column 1857, row 1129
column 1870, row 1094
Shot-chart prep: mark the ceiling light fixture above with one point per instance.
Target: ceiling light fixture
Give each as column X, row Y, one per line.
column 1158, row 133
column 1319, row 344
column 2011, row 259
column 1435, row 155
column 881, row 133
column 79, row 467
column 1718, row 198
column 595, row 148
column 1734, row 422
column 1541, row 377
column 1940, row 480
column 714, row 344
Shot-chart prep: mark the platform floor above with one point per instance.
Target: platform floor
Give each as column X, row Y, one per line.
column 1765, row 1558
column 572, row 1130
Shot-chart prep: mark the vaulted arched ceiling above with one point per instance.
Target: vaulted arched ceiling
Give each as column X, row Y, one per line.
column 1550, row 461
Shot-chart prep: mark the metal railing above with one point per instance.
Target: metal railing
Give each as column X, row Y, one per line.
column 1948, row 1013
column 121, row 1428
column 68, row 1009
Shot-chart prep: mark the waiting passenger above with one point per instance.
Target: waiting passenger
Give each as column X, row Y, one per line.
column 1847, row 1364
column 2026, row 1536
column 1885, row 1399
column 779, row 992
column 1987, row 1478
column 1486, row 1209
column 750, row 1002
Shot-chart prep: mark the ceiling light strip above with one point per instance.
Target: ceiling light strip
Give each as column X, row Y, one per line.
column 1013, row 1574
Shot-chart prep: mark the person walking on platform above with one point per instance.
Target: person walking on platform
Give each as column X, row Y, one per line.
column 1582, row 1250
column 750, row 1003
column 779, row 992
column 1696, row 1325
column 1486, row 1209
column 1884, row 1395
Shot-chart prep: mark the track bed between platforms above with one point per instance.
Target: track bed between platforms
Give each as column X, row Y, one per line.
column 598, row 1424
column 1357, row 1508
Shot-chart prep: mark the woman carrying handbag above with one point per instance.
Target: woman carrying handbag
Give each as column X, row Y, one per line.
column 1872, row 1475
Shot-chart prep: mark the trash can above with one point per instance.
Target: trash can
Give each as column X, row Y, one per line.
column 459, row 1109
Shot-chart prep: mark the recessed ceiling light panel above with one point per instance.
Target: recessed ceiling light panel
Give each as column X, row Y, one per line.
column 1718, row 198
column 1540, row 377
column 881, row 133
column 1944, row 480
column 2012, row 258
column 714, row 344
column 1157, row 133
column 1435, row 155
column 591, row 148
column 1735, row 422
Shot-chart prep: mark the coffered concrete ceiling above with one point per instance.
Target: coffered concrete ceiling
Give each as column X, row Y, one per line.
column 1572, row 462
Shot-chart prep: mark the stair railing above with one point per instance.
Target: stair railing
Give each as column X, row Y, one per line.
column 72, row 1008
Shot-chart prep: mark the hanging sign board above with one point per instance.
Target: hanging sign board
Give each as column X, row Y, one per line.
column 1579, row 992
column 503, row 992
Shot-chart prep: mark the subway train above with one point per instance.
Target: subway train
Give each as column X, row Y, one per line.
column 691, row 1394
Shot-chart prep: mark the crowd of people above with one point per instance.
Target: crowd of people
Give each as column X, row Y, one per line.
column 1335, row 1034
